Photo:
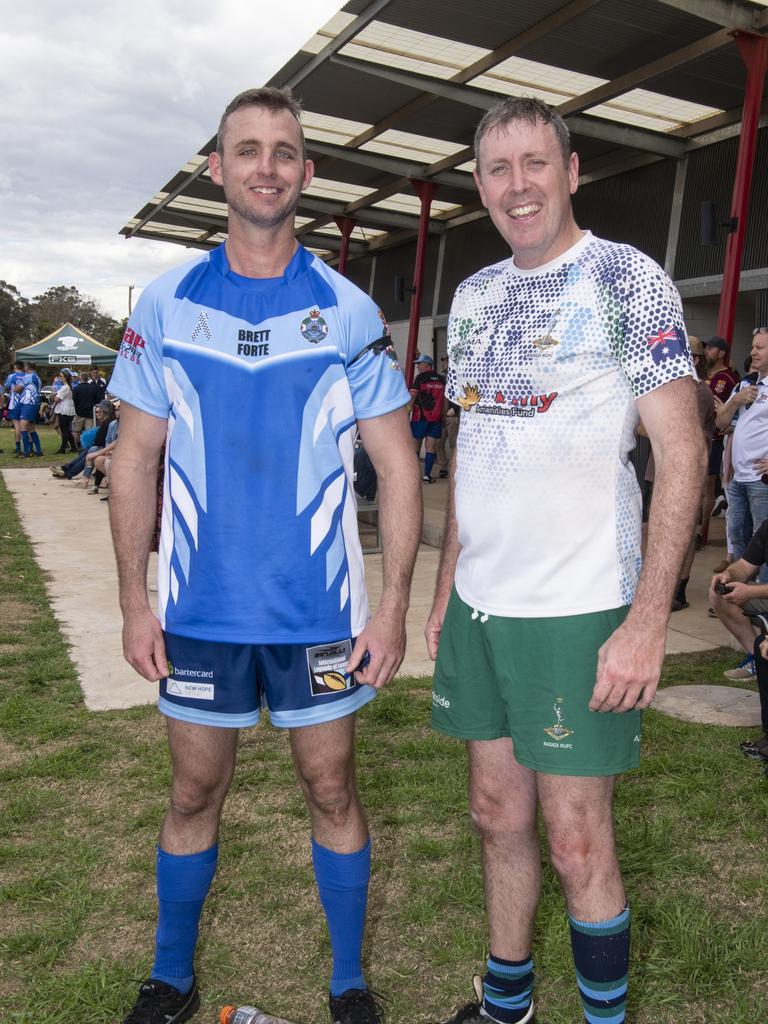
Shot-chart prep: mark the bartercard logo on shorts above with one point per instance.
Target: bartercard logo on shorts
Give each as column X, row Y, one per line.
column 190, row 683
column 326, row 664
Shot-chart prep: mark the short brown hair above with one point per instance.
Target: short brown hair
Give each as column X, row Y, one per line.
column 268, row 98
column 524, row 108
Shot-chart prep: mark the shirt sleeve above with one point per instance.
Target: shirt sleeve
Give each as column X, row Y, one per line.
column 649, row 336
column 375, row 378
column 755, row 552
column 138, row 375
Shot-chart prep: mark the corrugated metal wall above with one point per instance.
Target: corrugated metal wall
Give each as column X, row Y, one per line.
column 710, row 178
column 632, row 207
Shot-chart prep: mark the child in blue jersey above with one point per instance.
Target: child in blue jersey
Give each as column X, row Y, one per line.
column 261, row 595
column 11, row 381
column 28, row 387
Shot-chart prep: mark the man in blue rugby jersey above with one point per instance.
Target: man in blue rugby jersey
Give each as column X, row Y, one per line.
column 261, row 595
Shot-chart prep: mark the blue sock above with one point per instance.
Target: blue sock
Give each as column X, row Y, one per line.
column 26, row 442
column 601, row 959
column 36, row 442
column 183, row 882
column 507, row 989
column 18, row 446
column 342, row 882
column 429, row 461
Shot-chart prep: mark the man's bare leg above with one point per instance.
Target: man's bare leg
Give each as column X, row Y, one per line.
column 324, row 758
column 502, row 800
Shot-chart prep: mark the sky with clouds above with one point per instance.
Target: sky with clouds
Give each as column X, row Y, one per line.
column 103, row 102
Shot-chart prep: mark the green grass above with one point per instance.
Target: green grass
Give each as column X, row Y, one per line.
column 82, row 795
column 49, row 442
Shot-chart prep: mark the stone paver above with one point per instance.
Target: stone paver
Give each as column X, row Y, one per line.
column 711, row 705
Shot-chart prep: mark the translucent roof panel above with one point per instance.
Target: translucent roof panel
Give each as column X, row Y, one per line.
column 183, row 202
column 646, row 109
column 328, row 32
column 411, row 147
column 403, row 203
column 343, row 191
column 331, row 129
column 518, row 76
column 412, row 51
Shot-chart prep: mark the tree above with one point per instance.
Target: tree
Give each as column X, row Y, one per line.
column 64, row 304
column 15, row 321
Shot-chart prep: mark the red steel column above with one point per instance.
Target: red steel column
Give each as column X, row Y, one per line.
column 425, row 190
column 754, row 53
column 346, row 226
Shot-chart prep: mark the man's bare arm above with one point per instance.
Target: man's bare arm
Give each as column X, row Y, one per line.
column 728, row 409
column 446, row 572
column 132, row 512
column 387, row 440
column 629, row 663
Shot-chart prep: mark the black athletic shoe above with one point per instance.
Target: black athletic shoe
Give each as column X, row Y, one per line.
column 159, row 1003
column 473, row 1013
column 356, row 1006
column 751, row 744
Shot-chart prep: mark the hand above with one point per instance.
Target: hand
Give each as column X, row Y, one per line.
column 739, row 594
column 628, row 669
column 144, row 645
column 720, row 577
column 434, row 627
column 384, row 640
column 761, row 465
column 746, row 395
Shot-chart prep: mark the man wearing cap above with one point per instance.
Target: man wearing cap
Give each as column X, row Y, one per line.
column 722, row 379
column 427, row 399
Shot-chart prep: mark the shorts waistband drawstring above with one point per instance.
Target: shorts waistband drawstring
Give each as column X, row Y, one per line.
column 483, row 615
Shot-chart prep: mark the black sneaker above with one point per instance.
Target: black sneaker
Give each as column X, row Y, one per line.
column 751, row 744
column 757, row 752
column 159, row 1003
column 356, row 1006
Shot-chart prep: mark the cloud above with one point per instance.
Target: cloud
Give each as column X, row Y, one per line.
column 103, row 103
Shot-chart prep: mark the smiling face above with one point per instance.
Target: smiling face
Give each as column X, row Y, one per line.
column 526, row 187
column 261, row 167
column 760, row 353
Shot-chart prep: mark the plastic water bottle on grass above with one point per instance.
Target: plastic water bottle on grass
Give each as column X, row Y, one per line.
column 248, row 1015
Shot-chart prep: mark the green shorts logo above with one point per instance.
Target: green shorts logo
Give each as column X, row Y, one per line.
column 558, row 731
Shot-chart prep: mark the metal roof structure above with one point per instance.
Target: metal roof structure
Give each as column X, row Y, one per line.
column 393, row 89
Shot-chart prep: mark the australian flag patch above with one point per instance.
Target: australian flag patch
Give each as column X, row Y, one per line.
column 666, row 344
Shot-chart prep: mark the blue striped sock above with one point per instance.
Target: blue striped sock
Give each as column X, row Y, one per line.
column 601, row 959
column 183, row 881
column 429, row 461
column 507, row 989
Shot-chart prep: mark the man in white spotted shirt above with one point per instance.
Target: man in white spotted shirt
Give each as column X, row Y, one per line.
column 548, row 636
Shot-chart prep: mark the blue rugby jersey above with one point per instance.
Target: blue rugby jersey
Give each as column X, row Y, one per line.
column 260, row 385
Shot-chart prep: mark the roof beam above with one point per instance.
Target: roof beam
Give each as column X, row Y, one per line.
column 169, row 198
column 365, row 217
column 594, row 128
column 354, row 27
column 389, row 164
column 632, row 79
column 728, row 13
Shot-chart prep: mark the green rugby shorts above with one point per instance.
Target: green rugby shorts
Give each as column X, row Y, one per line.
column 532, row 680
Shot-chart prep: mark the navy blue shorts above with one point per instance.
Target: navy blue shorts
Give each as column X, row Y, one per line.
column 423, row 428
column 227, row 684
column 29, row 412
column 14, row 413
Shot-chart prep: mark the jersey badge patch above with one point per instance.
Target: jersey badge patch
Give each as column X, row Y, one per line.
column 313, row 328
column 326, row 668
column 559, row 731
column 202, row 327
column 665, row 344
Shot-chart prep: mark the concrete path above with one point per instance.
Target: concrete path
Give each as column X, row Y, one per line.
column 69, row 532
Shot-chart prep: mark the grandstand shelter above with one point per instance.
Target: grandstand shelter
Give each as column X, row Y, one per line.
column 665, row 100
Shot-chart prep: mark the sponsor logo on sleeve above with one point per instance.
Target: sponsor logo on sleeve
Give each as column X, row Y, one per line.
column 132, row 346
column 326, row 668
